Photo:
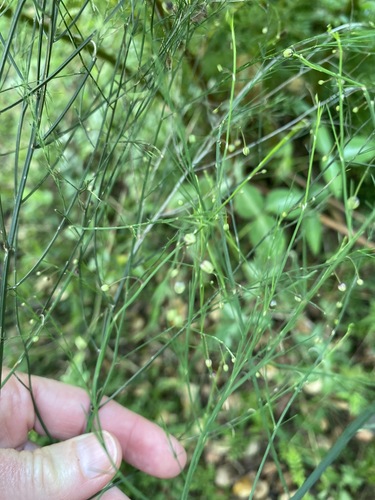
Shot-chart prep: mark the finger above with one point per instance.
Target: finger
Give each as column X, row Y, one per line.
column 64, row 410
column 112, row 494
column 144, row 443
column 30, row 446
column 74, row 469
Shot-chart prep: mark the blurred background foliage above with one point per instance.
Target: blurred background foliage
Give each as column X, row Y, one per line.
column 187, row 189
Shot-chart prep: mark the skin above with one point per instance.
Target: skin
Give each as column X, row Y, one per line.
column 63, row 470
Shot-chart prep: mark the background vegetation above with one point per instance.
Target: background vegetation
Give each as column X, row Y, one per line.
column 187, row 220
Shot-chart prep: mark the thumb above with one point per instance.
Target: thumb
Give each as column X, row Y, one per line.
column 74, row 469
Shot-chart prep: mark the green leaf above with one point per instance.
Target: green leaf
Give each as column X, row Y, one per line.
column 318, row 193
column 249, row 202
column 328, row 165
column 261, row 228
column 283, row 201
column 359, row 150
column 267, row 237
column 313, row 231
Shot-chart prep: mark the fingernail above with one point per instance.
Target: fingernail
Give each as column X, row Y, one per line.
column 97, row 457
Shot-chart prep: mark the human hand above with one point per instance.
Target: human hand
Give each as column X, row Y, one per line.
column 78, row 467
